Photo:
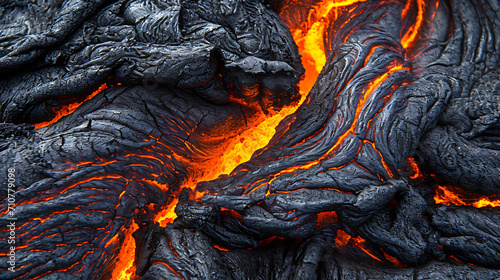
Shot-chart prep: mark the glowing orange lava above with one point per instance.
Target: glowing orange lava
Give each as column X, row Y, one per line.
column 68, row 109
column 452, row 196
column 416, row 170
column 410, row 36
column 326, row 219
column 344, row 239
column 393, row 260
column 167, row 215
column 310, row 38
column 124, row 266
column 449, row 195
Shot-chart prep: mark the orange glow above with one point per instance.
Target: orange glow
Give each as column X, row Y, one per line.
column 169, row 267
column 326, row 219
column 449, row 195
column 220, row 248
column 415, row 168
column 162, row 187
column 124, row 266
column 310, row 38
column 344, row 239
column 384, row 164
column 53, row 195
column 453, row 196
column 410, row 36
column 271, row 240
column 231, row 212
column 66, row 110
column 370, row 89
column 242, row 147
column 167, row 215
column 104, row 163
column 404, row 12
column 393, row 260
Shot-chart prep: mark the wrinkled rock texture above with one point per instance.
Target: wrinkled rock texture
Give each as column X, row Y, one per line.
column 182, row 77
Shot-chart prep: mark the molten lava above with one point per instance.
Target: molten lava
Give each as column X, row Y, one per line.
column 68, row 109
column 310, row 38
column 344, row 239
column 449, row 195
column 415, row 169
column 408, row 39
column 167, row 215
column 124, row 266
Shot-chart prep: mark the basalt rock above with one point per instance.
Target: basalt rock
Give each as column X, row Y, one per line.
column 388, row 169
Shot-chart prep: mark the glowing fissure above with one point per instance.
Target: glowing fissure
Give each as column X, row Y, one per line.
column 68, row 109
column 169, row 267
column 415, row 169
column 124, row 266
column 310, row 41
column 409, row 38
column 451, row 196
column 344, row 239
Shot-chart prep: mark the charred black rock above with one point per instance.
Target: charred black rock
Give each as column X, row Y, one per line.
column 175, row 80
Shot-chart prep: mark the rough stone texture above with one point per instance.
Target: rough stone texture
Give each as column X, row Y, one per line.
column 181, row 72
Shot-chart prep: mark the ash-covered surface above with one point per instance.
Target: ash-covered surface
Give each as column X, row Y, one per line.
column 334, row 195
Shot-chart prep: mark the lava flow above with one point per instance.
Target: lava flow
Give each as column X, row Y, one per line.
column 310, row 38
column 124, row 266
column 450, row 195
column 68, row 109
column 243, row 146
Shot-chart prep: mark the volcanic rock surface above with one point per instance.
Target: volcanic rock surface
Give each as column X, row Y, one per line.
column 116, row 116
